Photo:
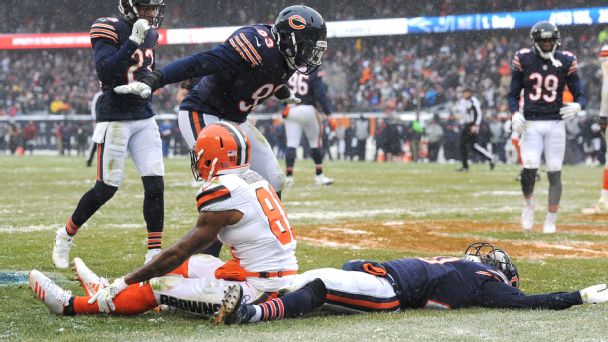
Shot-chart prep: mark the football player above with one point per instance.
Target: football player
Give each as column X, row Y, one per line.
column 485, row 277
column 253, row 64
column 601, row 207
column 123, row 50
column 237, row 206
column 304, row 117
column 543, row 72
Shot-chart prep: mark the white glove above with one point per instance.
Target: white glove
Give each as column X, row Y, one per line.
column 140, row 30
column 292, row 99
column 518, row 123
column 595, row 294
column 570, row 110
column 105, row 296
column 136, row 88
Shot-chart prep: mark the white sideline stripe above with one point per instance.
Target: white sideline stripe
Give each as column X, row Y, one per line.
column 327, row 243
column 345, row 231
column 40, row 228
column 332, row 215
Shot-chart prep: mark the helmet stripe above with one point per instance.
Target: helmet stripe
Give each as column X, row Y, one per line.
column 241, row 142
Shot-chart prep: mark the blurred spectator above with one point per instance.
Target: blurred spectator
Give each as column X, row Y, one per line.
column 30, row 132
column 14, row 137
column 166, row 133
column 434, row 134
column 361, row 135
column 59, row 138
column 82, row 137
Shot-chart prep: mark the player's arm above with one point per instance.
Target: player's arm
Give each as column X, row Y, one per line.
column 477, row 109
column 284, row 94
column 200, row 237
column 517, row 81
column 500, row 295
column 575, row 85
column 318, row 88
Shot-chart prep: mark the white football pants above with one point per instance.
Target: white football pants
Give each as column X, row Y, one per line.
column 303, row 118
column 547, row 136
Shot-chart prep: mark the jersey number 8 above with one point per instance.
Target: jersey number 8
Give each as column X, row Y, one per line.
column 274, row 211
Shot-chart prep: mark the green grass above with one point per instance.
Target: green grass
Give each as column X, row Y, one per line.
column 38, row 194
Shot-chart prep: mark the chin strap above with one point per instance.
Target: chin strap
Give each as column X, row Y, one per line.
column 548, row 55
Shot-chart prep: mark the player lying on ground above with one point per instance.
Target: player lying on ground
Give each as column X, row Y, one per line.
column 237, row 206
column 485, row 277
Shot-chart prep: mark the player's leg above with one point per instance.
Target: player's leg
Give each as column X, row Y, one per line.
column 263, row 160
column 555, row 147
column 190, row 124
column 482, row 150
column 313, row 129
column 293, row 133
column 464, row 147
column 516, row 147
column 112, row 141
column 531, row 144
column 145, row 147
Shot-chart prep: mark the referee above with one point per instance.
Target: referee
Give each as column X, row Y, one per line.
column 471, row 116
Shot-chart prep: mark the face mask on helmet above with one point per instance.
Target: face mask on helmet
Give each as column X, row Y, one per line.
column 151, row 10
column 486, row 254
column 220, row 148
column 300, row 33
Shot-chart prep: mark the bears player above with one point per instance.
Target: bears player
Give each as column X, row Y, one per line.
column 123, row 50
column 543, row 72
column 304, row 117
column 237, row 206
column 253, row 64
column 601, row 207
column 485, row 277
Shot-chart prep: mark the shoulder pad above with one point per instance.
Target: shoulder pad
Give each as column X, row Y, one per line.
column 211, row 192
column 568, row 54
column 249, row 42
column 105, row 28
column 523, row 51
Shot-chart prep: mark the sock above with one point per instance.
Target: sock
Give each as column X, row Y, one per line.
column 136, row 299
column 154, row 209
column 290, row 160
column 528, row 179
column 551, row 217
column 317, row 157
column 289, row 171
column 71, row 228
column 529, row 201
column 155, row 240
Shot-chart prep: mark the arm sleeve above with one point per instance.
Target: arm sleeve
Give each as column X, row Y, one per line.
column 575, row 85
column 319, row 90
column 500, row 295
column 112, row 62
column 517, row 76
column 219, row 59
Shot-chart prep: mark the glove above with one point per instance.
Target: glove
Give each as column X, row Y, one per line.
column 518, row 123
column 144, row 86
column 603, row 125
column 140, row 30
column 570, row 110
column 292, row 99
column 105, row 296
column 595, row 294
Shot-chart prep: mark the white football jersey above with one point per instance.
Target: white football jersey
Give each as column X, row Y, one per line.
column 263, row 241
column 604, row 93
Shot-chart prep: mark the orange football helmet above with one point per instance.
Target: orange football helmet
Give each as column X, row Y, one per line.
column 220, row 146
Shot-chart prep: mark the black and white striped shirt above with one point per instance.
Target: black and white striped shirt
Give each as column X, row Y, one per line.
column 470, row 111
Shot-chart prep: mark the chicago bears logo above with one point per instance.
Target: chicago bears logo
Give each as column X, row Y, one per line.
column 297, row 22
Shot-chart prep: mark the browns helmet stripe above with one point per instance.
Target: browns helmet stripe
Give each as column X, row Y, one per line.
column 241, row 142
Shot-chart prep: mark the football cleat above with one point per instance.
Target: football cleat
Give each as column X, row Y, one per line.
column 90, row 282
column 595, row 294
column 231, row 311
column 53, row 296
column 151, row 253
column 322, row 180
column 288, row 181
column 62, row 247
column 463, row 169
column 549, row 227
column 600, row 208
column 527, row 218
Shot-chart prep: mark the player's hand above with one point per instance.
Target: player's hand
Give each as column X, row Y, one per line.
column 474, row 129
column 104, row 297
column 603, row 125
column 518, row 123
column 570, row 110
column 292, row 99
column 595, row 294
column 137, row 88
column 140, row 30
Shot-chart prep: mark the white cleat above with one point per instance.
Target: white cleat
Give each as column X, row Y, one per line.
column 549, row 227
column 600, row 208
column 53, row 296
column 595, row 294
column 91, row 282
column 322, row 180
column 288, row 181
column 527, row 218
column 61, row 249
column 151, row 254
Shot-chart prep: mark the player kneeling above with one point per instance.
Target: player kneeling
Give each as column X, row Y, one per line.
column 232, row 196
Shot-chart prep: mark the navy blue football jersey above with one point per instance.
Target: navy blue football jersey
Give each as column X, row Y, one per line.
column 236, row 76
column 543, row 84
column 119, row 61
column 310, row 89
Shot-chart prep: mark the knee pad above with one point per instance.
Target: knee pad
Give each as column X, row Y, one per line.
column 153, row 184
column 290, row 153
column 528, row 178
column 103, row 192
